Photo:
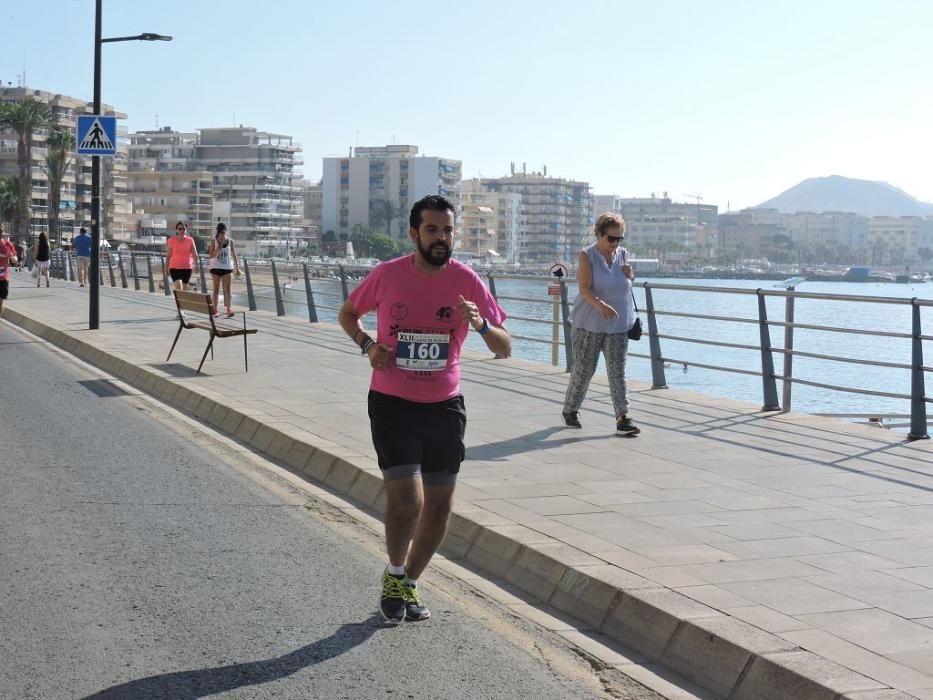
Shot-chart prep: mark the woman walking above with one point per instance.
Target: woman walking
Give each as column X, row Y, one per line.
column 180, row 256
column 602, row 315
column 222, row 253
column 42, row 253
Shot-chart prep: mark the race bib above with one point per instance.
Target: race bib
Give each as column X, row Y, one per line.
column 422, row 351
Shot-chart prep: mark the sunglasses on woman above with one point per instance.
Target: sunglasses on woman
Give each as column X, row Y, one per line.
column 615, row 239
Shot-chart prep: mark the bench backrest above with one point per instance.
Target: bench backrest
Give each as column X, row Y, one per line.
column 193, row 301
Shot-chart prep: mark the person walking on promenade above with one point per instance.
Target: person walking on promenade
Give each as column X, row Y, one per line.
column 7, row 257
column 180, row 256
column 425, row 306
column 82, row 246
column 20, row 253
column 223, row 262
column 603, row 312
column 42, row 254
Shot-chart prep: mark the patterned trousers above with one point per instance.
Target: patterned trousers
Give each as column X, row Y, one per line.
column 586, row 349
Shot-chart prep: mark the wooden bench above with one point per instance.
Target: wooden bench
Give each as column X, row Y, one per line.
column 199, row 303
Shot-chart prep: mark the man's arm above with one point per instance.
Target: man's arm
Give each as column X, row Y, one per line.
column 349, row 320
column 497, row 338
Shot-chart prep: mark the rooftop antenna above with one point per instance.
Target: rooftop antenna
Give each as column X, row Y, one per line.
column 157, row 122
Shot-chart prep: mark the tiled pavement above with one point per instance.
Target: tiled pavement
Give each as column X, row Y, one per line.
column 771, row 544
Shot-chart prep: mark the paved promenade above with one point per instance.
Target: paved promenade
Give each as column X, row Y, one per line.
column 757, row 555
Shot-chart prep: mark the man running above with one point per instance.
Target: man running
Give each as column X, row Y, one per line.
column 425, row 305
column 7, row 258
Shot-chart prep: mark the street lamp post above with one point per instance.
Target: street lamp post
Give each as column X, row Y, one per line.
column 94, row 310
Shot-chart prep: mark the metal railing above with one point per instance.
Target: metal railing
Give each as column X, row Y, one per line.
column 270, row 282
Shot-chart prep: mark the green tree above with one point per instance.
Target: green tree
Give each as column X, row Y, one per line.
column 384, row 247
column 60, row 146
column 925, row 253
column 9, row 194
column 383, row 212
column 25, row 118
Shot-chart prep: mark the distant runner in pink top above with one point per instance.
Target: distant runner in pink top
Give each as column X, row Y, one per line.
column 7, row 258
column 180, row 256
column 425, row 305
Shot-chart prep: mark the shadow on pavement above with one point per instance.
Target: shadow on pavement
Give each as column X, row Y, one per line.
column 203, row 682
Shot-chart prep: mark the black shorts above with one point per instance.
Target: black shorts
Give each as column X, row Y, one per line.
column 220, row 272
column 4, row 289
column 410, row 437
column 180, row 275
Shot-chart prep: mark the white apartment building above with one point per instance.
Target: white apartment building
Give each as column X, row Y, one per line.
column 256, row 187
column 606, row 203
column 376, row 186
column 829, row 227
column 165, row 180
column 900, row 240
column 505, row 223
column 660, row 221
column 556, row 215
column 75, row 196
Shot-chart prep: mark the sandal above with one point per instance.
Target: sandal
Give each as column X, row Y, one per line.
column 230, row 313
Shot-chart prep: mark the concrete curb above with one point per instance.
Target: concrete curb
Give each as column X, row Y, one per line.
column 727, row 656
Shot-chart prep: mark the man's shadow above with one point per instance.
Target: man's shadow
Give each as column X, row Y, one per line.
column 184, row 685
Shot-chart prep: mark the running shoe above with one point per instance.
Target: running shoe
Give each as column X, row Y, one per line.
column 625, row 426
column 572, row 419
column 415, row 609
column 393, row 601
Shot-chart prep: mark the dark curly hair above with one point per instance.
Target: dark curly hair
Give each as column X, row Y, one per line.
column 434, row 202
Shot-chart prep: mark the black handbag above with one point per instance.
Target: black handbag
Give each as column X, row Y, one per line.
column 634, row 333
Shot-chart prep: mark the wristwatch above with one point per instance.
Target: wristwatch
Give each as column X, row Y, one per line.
column 484, row 329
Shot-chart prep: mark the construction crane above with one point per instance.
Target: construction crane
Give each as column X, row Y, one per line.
column 698, row 198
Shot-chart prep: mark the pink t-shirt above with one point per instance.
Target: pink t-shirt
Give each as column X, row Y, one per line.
column 416, row 315
column 181, row 252
column 7, row 253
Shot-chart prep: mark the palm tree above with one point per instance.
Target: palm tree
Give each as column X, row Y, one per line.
column 9, row 193
column 384, row 212
column 61, row 145
column 25, row 117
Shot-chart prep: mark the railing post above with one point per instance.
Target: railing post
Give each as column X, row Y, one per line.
column 201, row 270
column 71, row 266
column 918, row 406
column 279, row 304
column 492, row 286
column 135, row 271
column 343, row 282
column 565, row 317
column 250, row 297
column 658, row 380
column 122, row 271
column 166, row 281
column 113, row 280
column 768, row 384
column 787, row 384
column 149, row 267
column 312, row 309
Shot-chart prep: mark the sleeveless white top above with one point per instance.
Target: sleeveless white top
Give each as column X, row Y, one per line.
column 222, row 259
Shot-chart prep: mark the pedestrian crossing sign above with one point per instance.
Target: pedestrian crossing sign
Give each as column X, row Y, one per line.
column 97, row 135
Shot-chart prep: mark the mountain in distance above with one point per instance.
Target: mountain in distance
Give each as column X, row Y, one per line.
column 837, row 193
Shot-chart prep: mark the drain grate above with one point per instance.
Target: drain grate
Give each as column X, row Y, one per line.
column 103, row 388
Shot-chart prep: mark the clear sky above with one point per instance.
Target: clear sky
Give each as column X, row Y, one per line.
column 732, row 100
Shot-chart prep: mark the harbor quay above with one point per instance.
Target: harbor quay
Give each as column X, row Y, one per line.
column 753, row 554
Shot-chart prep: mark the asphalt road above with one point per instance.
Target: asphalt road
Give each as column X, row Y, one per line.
column 140, row 558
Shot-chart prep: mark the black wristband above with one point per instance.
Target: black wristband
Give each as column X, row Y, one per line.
column 367, row 344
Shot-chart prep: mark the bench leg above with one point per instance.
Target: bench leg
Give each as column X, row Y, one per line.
column 210, row 345
column 180, row 327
